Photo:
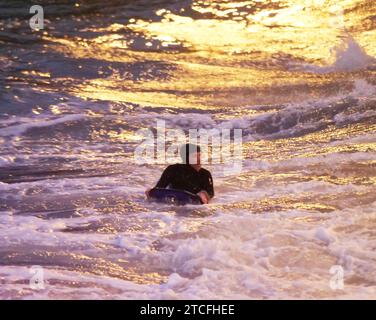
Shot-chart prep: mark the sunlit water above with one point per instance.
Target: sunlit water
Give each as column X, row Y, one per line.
column 298, row 77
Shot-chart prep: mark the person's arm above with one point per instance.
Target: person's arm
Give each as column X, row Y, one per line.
column 209, row 187
column 163, row 182
column 208, row 190
column 165, row 179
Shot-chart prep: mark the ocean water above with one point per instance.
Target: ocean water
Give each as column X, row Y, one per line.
column 298, row 77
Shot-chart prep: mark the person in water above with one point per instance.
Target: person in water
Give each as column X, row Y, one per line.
column 189, row 175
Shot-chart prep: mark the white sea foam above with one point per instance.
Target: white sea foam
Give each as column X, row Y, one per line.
column 363, row 88
column 349, row 56
column 18, row 129
column 6, row 160
column 254, row 250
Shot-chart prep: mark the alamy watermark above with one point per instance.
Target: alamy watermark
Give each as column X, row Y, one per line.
column 337, row 280
column 36, row 281
column 36, row 22
column 218, row 146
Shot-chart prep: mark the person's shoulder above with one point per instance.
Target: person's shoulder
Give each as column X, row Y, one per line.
column 205, row 172
column 174, row 166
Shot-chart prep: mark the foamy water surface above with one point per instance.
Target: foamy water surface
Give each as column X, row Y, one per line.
column 298, row 77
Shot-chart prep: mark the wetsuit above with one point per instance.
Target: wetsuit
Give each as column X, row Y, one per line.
column 185, row 177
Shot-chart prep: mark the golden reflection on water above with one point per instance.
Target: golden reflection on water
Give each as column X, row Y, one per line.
column 313, row 144
column 305, row 203
column 103, row 267
column 293, row 27
column 227, row 56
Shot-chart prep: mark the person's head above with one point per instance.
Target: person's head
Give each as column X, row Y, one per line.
column 190, row 154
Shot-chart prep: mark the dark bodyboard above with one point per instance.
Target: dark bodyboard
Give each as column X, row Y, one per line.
column 174, row 196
